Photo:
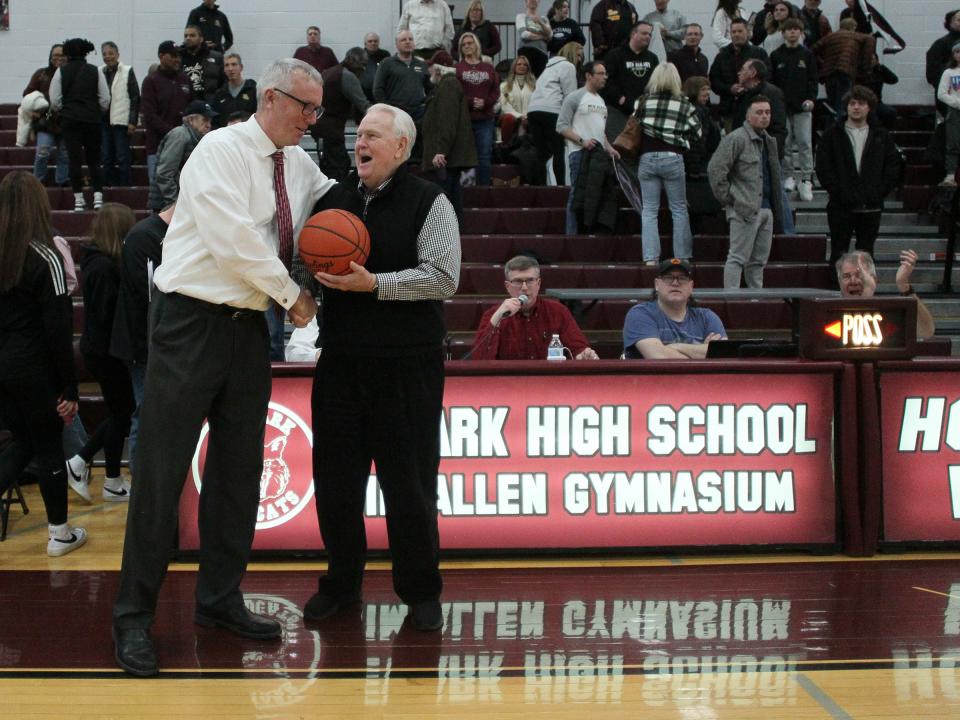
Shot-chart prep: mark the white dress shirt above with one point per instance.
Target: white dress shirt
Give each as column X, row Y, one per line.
column 431, row 23
column 223, row 239
column 302, row 345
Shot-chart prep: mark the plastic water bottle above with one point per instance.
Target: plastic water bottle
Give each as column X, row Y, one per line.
column 555, row 349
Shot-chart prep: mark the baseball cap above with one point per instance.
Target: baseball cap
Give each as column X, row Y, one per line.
column 168, row 47
column 199, row 107
column 675, row 264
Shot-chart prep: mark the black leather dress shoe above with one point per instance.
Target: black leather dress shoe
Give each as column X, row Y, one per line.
column 134, row 651
column 322, row 606
column 427, row 615
column 237, row 619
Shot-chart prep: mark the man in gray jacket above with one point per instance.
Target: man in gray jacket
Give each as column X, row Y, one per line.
column 745, row 177
column 174, row 150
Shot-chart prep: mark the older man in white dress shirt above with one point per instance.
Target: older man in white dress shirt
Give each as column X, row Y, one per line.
column 245, row 191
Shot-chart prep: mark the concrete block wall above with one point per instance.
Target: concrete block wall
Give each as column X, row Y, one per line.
column 267, row 29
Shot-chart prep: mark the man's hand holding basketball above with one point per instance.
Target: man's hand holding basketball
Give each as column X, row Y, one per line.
column 303, row 310
column 359, row 279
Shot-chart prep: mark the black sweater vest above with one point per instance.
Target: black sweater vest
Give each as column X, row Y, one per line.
column 357, row 323
column 79, row 81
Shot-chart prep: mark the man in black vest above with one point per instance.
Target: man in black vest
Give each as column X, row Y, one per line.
column 378, row 389
column 202, row 65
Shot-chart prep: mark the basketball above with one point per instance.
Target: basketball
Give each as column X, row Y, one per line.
column 331, row 239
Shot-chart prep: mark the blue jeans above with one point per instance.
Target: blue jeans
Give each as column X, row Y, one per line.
column 787, row 220
column 151, row 168
column 656, row 170
column 45, row 143
column 138, row 377
column 574, row 160
column 483, row 139
column 275, row 326
column 115, row 154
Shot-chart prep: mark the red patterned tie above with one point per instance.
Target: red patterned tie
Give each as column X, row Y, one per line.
column 284, row 218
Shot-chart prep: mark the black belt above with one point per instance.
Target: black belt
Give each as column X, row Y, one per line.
column 235, row 313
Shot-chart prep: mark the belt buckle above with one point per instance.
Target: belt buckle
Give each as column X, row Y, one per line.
column 238, row 315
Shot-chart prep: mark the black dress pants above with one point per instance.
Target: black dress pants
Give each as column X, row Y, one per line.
column 384, row 410
column 205, row 362
column 844, row 224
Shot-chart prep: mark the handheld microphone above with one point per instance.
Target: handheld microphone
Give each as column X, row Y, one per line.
column 523, row 301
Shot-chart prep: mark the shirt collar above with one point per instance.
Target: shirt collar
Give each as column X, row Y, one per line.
column 378, row 190
column 261, row 141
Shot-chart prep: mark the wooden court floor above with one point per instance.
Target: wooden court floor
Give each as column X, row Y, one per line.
column 694, row 638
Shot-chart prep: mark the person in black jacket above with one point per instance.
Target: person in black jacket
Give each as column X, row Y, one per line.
column 100, row 265
column 938, row 55
column 689, row 59
column 753, row 80
column 629, row 67
column 202, row 65
column 794, row 71
column 214, row 25
column 858, row 164
column 236, row 95
column 38, row 384
column 79, row 91
column 140, row 257
column 726, row 67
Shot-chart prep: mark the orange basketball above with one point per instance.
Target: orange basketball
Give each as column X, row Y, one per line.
column 331, row 239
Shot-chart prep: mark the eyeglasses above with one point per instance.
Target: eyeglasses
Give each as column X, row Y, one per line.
column 520, row 282
column 306, row 109
column 674, row 279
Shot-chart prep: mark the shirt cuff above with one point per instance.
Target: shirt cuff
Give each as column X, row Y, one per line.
column 288, row 296
column 387, row 286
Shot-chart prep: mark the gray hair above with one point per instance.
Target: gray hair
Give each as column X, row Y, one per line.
column 277, row 75
column 520, row 262
column 403, row 125
column 857, row 257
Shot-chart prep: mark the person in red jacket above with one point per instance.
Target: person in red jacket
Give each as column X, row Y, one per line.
column 163, row 98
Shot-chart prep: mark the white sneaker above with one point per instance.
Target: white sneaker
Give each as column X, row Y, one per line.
column 806, row 191
column 116, row 490
column 948, row 181
column 97, row 200
column 65, row 542
column 79, row 204
column 790, row 184
column 78, row 477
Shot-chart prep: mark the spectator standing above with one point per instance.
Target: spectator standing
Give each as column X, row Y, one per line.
column 558, row 80
column 794, row 71
column 80, row 93
column 856, row 13
column 100, row 264
column 745, row 178
column 375, row 55
column 213, row 24
column 858, row 165
column 939, row 54
column 671, row 326
column 515, row 94
column 486, row 32
column 481, row 88
column 629, row 67
column 122, row 117
column 402, row 79
column 237, row 94
column 174, row 151
column 762, row 22
column 689, row 59
column 202, row 65
column 164, row 96
column 521, row 326
column 316, row 55
column 844, row 57
column 753, row 80
column 611, row 22
column 669, row 124
column 449, row 147
column 38, row 384
column 431, row 24
column 582, row 123
column 47, row 125
column 140, row 257
column 773, row 24
column 533, row 34
column 700, row 200
column 948, row 93
column 563, row 28
column 727, row 11
column 343, row 100
column 725, row 71
column 672, row 24
column 815, row 23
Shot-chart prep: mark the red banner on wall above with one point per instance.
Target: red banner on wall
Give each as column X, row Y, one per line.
column 582, row 461
column 920, row 425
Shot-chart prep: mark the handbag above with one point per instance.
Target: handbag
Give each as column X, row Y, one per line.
column 630, row 141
